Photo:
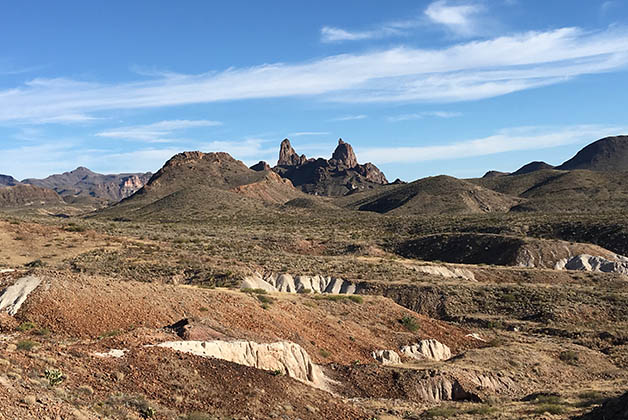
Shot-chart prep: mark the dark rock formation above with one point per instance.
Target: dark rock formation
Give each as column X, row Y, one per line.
column 340, row 175
column 344, row 155
column 23, row 195
column 607, row 154
column 287, row 155
column 8, row 181
column 493, row 174
column 261, row 166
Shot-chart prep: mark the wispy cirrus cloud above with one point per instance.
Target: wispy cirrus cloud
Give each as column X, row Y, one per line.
column 507, row 140
column 331, row 34
column 158, row 132
column 459, row 17
column 350, row 117
column 425, row 114
column 461, row 72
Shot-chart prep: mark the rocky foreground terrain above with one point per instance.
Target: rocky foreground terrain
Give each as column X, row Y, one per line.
column 218, row 291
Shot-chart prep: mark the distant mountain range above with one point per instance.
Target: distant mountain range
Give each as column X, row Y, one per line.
column 592, row 180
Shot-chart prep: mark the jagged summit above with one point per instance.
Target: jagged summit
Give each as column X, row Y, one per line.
column 344, row 155
column 261, row 166
column 340, row 175
column 288, row 156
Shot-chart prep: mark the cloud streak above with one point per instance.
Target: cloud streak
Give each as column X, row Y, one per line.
column 158, row 132
column 508, row 140
column 462, row 72
column 421, row 115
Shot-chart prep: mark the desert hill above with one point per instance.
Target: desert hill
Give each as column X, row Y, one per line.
column 532, row 167
column 564, row 191
column 607, row 154
column 434, row 195
column 23, row 195
column 196, row 184
column 338, row 176
column 83, row 185
column 8, row 181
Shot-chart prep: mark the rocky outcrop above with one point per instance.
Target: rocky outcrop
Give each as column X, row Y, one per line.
column 23, row 195
column 586, row 262
column 387, row 357
column 445, row 271
column 82, row 184
column 287, row 155
column 14, row 296
column 283, row 357
column 495, row 174
column 299, row 284
column 344, row 155
column 340, row 175
column 427, row 349
column 261, row 166
column 8, row 181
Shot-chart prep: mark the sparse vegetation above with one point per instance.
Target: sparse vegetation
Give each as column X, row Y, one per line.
column 26, row 345
column 410, row 323
column 54, row 376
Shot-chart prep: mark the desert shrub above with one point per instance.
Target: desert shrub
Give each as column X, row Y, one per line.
column 35, row 264
column 410, row 323
column 569, row 356
column 549, row 408
column 26, row 345
column 73, row 227
column 250, row 291
column 265, row 299
column 26, row 326
column 355, row 298
column 107, row 334
column 324, row 353
column 304, row 291
column 483, row 409
column 441, row 411
column 54, row 376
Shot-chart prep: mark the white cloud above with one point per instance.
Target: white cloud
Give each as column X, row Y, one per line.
column 509, row 140
column 458, row 17
column 331, row 34
column 309, row 133
column 466, row 71
column 350, row 117
column 155, row 133
column 421, row 115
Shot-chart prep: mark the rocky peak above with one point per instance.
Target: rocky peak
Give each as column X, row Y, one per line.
column 287, row 155
column 261, row 166
column 344, row 155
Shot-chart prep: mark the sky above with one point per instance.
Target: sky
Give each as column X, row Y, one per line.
column 419, row 88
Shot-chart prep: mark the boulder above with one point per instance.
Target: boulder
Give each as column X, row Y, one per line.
column 427, row 349
column 387, row 357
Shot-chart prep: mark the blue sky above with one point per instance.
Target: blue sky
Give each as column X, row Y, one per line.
column 417, row 87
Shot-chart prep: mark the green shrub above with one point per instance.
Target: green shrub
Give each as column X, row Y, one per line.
column 410, row 323
column 26, row 345
column 54, row 376
column 27, row 326
column 441, row 411
column 355, row 298
column 250, row 291
column 549, row 408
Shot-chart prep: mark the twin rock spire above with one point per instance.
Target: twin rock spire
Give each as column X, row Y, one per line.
column 343, row 155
